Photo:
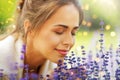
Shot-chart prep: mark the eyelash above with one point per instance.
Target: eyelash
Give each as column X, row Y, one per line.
column 59, row 33
column 73, row 34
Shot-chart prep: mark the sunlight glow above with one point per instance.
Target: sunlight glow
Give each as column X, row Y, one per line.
column 108, row 27
column 113, row 34
column 107, row 4
column 85, row 33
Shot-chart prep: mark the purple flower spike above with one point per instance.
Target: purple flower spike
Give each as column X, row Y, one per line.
column 101, row 23
column 21, row 66
column 34, row 76
column 22, row 57
column 82, row 47
column 1, row 73
column 16, row 66
column 23, row 48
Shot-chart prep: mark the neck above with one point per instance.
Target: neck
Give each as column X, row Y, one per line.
column 34, row 59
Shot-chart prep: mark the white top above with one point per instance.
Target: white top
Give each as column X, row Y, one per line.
column 10, row 53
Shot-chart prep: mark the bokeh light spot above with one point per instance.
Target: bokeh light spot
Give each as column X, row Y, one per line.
column 84, row 22
column 89, row 24
column 85, row 33
column 113, row 34
column 108, row 27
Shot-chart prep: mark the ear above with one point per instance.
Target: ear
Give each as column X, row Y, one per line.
column 26, row 25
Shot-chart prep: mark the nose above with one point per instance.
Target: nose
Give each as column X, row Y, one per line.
column 68, row 40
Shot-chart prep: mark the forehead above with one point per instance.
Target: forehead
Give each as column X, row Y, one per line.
column 67, row 14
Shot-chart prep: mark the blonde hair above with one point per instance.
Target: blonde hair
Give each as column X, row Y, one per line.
column 38, row 11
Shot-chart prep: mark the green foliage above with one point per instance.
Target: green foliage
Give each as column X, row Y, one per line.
column 7, row 10
column 106, row 10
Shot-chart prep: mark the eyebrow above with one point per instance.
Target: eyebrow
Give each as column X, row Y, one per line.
column 65, row 26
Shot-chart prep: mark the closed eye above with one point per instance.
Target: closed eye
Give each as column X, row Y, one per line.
column 59, row 30
column 74, row 31
column 59, row 33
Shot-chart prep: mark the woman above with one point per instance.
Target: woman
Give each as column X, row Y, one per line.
column 45, row 32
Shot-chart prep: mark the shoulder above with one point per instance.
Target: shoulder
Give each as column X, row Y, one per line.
column 7, row 53
column 6, row 44
column 10, row 53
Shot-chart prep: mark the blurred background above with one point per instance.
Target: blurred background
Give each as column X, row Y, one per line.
column 98, row 14
column 95, row 12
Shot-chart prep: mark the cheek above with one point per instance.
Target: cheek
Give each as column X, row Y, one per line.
column 53, row 40
column 47, row 41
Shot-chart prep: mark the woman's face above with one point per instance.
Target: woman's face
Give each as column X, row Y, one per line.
column 57, row 35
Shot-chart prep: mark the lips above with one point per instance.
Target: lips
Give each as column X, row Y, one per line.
column 63, row 52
